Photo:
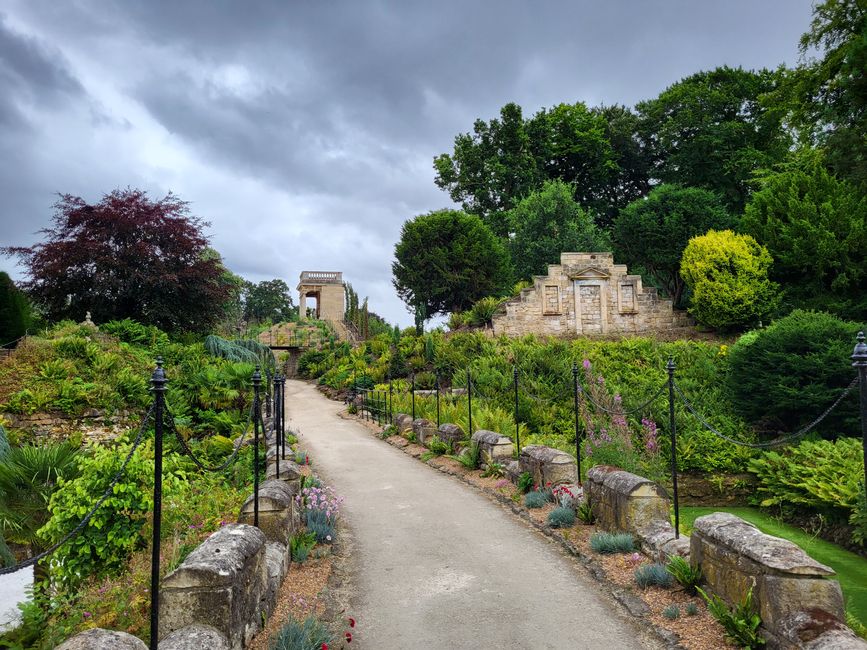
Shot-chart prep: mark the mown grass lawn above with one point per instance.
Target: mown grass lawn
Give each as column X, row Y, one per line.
column 851, row 569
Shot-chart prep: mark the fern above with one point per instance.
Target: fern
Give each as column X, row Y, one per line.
column 741, row 623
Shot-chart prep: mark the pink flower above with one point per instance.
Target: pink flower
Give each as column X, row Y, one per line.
column 586, row 364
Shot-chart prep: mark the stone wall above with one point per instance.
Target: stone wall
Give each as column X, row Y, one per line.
column 587, row 294
column 93, row 425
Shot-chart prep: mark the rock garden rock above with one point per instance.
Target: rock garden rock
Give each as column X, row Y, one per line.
column 493, row 446
column 403, row 422
column 423, row 430
column 548, row 465
column 195, row 637
column 99, row 639
column 450, row 434
column 222, row 583
column 277, row 516
column 625, row 502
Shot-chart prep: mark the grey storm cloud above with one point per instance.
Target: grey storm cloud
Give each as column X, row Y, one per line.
column 305, row 131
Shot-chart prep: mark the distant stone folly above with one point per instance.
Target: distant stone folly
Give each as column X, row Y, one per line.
column 587, row 294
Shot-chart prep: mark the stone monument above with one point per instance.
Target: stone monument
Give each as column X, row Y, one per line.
column 587, row 294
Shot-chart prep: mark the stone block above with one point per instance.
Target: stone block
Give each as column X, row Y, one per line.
column 99, row 639
column 289, row 471
column 195, row 637
column 403, row 422
column 548, row 465
column 450, row 434
column 423, row 430
column 277, row 560
column 814, row 629
column 493, row 446
column 222, row 583
column 735, row 556
column 277, row 517
column 625, row 502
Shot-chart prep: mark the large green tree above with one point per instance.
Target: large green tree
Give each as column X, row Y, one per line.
column 15, row 312
column 815, row 227
column 651, row 234
column 596, row 151
column 269, row 299
column 546, row 223
column 446, row 260
column 828, row 93
column 126, row 256
column 710, row 130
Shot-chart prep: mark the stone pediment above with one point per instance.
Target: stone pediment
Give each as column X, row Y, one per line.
column 586, row 273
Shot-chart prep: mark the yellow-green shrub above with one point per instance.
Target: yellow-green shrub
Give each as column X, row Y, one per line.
column 728, row 276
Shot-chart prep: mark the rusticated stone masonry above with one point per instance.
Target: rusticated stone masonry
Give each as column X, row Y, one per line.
column 587, row 294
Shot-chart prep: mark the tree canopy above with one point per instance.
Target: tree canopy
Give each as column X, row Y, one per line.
column 595, row 151
column 445, row 261
column 15, row 313
column 268, row 300
column 546, row 223
column 126, row 256
column 815, row 227
column 651, row 233
column 710, row 130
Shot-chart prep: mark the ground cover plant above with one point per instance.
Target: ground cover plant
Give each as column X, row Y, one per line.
column 626, row 372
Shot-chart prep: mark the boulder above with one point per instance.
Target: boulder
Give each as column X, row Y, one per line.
column 195, row 637
column 450, row 434
column 222, row 583
column 277, row 560
column 277, row 517
column 423, row 430
column 403, row 422
column 290, row 471
column 99, row 639
column 815, row 629
column 493, row 447
column 735, row 556
column 548, row 465
column 625, row 502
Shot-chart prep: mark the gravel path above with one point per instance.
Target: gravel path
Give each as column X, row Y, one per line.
column 438, row 565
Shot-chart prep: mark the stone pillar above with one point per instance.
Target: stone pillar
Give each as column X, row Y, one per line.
column 302, row 305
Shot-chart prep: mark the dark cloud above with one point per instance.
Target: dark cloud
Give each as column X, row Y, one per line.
column 305, row 131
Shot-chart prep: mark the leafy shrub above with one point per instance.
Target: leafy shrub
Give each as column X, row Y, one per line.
column 727, row 274
column 525, row 482
column 653, row 575
column 608, row 543
column 4, row 443
column 307, row 635
column 115, row 530
column 672, row 612
column 788, row 374
column 823, row 475
column 437, row 446
column 858, row 519
column 682, row 571
column 535, row 499
column 470, row 457
column 561, row 517
column 130, row 331
column 494, row 470
column 584, row 512
column 482, row 311
column 300, row 544
column 741, row 623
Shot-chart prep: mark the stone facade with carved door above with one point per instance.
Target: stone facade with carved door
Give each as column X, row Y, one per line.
column 587, row 294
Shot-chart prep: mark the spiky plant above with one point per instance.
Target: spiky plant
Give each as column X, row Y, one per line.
column 607, row 543
column 536, row 499
column 653, row 575
column 561, row 517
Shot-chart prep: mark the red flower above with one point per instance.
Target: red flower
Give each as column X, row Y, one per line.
column 351, row 622
column 324, row 646
column 348, row 636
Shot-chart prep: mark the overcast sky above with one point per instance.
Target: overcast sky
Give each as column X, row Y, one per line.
column 304, row 131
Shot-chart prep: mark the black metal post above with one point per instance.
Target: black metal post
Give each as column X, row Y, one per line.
column 283, row 414
column 257, row 384
column 577, row 419
column 413, row 396
column 859, row 361
column 438, row 399
column 158, row 386
column 670, row 366
column 517, row 429
column 390, row 402
column 363, row 403
column 268, row 411
column 278, row 415
column 470, row 403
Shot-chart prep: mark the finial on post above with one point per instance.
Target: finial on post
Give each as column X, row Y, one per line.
column 257, row 377
column 158, row 378
column 859, row 355
column 670, row 366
